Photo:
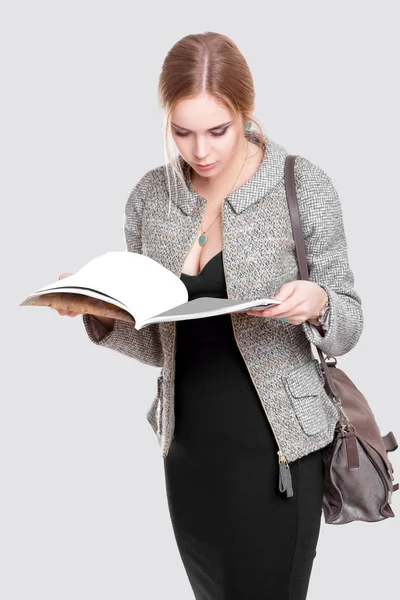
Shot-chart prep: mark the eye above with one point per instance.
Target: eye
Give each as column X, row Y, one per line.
column 214, row 133
column 221, row 132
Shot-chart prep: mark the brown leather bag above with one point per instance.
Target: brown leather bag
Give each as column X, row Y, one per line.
column 358, row 476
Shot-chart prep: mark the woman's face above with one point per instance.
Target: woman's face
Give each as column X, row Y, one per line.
column 205, row 133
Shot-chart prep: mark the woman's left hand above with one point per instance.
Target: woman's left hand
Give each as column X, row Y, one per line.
column 301, row 301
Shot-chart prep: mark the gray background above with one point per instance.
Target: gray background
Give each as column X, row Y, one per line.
column 83, row 506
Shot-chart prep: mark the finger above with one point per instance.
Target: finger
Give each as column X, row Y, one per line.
column 294, row 316
column 257, row 313
column 260, row 313
column 285, row 309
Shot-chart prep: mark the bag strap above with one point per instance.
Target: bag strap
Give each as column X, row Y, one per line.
column 301, row 248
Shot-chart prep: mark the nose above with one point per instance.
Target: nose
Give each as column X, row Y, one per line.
column 201, row 150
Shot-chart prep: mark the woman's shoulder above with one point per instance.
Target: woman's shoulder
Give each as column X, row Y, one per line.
column 155, row 177
column 318, row 197
column 310, row 175
column 146, row 182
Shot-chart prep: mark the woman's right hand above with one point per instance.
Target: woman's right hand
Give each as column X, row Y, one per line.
column 106, row 321
column 66, row 313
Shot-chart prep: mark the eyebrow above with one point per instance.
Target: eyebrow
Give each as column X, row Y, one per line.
column 212, row 128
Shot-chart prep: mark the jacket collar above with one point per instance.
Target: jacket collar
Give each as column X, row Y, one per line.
column 267, row 176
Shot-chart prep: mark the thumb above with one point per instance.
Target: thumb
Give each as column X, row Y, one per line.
column 285, row 291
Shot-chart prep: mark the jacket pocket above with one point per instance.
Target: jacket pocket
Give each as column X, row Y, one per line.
column 154, row 412
column 311, row 403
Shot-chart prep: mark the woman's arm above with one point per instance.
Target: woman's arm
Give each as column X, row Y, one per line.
column 327, row 259
column 103, row 324
column 143, row 345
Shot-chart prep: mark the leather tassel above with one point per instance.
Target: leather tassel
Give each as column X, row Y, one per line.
column 285, row 480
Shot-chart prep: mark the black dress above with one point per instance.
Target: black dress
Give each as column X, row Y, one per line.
column 238, row 536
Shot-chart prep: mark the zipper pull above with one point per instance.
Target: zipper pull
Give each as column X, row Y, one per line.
column 285, row 478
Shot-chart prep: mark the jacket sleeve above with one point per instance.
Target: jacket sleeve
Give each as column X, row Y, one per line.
column 327, row 258
column 143, row 345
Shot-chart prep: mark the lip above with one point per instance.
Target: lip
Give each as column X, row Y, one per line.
column 205, row 166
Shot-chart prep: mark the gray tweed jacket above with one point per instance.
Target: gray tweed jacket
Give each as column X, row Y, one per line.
column 258, row 257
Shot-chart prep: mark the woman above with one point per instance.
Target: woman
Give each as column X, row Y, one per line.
column 241, row 412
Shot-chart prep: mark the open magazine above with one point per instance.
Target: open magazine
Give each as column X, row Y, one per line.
column 133, row 287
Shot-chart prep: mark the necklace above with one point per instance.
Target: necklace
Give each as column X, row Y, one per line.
column 203, row 238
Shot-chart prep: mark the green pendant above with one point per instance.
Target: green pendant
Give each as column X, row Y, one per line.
column 202, row 239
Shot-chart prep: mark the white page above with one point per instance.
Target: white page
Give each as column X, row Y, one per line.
column 149, row 290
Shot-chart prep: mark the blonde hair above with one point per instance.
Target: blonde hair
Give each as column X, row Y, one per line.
column 205, row 62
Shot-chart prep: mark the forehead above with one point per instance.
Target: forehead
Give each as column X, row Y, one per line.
column 200, row 114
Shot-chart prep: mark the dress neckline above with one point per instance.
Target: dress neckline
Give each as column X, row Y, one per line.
column 206, row 265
